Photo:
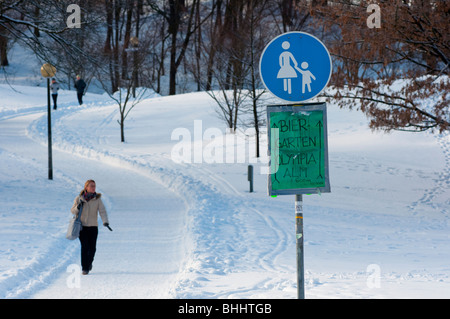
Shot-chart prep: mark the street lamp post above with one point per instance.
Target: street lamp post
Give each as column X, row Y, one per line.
column 48, row 71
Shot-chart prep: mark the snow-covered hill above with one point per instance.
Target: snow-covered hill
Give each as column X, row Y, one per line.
column 193, row 230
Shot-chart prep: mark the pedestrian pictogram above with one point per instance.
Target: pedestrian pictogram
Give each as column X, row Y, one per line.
column 295, row 67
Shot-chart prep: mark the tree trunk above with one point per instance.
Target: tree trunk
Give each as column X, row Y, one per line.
column 176, row 6
column 173, row 67
column 122, row 132
column 37, row 11
column 126, row 44
column 215, row 35
column 122, row 124
column 3, row 50
column 116, row 72
column 174, row 24
column 109, row 24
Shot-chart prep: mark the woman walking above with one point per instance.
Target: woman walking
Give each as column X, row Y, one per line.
column 54, row 87
column 287, row 71
column 91, row 204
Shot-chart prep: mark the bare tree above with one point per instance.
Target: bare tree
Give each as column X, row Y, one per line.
column 239, row 43
column 126, row 51
column 31, row 21
column 182, row 24
column 127, row 96
column 258, row 34
column 397, row 70
column 229, row 70
column 293, row 14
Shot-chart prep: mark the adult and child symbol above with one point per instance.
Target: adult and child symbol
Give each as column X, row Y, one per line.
column 288, row 71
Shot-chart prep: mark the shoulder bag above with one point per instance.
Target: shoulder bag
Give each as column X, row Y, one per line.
column 73, row 232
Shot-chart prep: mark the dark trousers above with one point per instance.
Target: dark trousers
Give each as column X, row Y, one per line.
column 55, row 97
column 88, row 240
column 80, row 97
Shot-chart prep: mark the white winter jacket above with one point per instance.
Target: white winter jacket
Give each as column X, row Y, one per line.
column 89, row 214
column 54, row 87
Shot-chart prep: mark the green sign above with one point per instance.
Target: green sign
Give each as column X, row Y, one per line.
column 298, row 147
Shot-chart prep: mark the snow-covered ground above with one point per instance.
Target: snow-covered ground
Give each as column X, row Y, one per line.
column 193, row 230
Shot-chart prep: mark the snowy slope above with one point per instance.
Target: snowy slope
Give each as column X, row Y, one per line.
column 193, row 230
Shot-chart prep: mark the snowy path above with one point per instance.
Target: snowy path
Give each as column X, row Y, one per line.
column 139, row 259
column 142, row 256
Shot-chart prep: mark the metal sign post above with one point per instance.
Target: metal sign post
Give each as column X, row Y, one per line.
column 299, row 237
column 298, row 148
column 296, row 67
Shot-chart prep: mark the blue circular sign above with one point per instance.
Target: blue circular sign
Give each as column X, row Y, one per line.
column 295, row 67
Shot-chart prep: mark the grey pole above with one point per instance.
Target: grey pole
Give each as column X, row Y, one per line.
column 299, row 237
column 250, row 177
column 49, row 119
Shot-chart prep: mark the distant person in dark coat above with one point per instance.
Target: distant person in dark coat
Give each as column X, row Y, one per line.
column 80, row 85
column 54, row 87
